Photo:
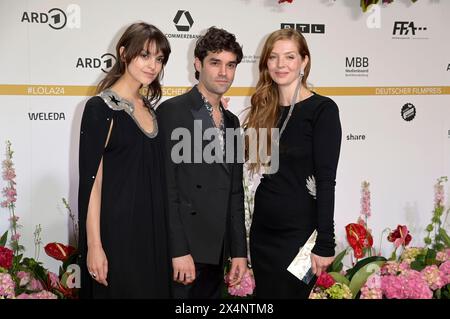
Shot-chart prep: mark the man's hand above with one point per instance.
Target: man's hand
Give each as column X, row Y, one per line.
column 183, row 269
column 237, row 271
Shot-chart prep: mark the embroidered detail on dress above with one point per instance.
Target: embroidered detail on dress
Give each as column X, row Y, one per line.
column 311, row 186
column 116, row 103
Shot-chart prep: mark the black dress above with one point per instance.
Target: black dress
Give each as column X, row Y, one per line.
column 286, row 209
column 132, row 218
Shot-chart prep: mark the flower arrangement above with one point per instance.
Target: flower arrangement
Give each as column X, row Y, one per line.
column 363, row 3
column 244, row 288
column 409, row 273
column 328, row 288
column 247, row 284
column 23, row 277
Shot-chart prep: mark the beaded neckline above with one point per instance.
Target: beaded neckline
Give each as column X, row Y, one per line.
column 117, row 103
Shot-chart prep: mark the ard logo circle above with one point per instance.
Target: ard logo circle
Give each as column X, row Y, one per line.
column 58, row 18
column 408, row 112
column 108, row 61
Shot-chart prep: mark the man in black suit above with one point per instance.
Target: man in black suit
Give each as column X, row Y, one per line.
column 206, row 198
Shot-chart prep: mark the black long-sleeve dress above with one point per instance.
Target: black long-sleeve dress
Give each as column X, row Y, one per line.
column 297, row 199
column 133, row 222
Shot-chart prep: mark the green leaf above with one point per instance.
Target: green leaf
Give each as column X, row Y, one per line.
column 430, row 258
column 351, row 272
column 437, row 294
column 339, row 278
column 337, row 264
column 417, row 265
column 421, row 258
column 360, row 277
column 445, row 237
column 445, row 292
column 439, row 246
column 3, row 239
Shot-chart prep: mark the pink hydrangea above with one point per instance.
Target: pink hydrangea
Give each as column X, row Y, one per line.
column 244, row 288
column 7, row 286
column 372, row 288
column 407, row 285
column 367, row 293
column 445, row 272
column 394, row 268
column 443, row 256
column 44, row 294
column 433, row 277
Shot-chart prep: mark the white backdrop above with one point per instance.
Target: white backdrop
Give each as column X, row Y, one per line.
column 48, row 70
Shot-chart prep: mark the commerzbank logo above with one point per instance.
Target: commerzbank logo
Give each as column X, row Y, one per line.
column 55, row 18
column 183, row 22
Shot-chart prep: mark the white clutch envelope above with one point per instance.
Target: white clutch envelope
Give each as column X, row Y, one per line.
column 300, row 266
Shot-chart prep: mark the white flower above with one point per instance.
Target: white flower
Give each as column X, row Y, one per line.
column 311, row 186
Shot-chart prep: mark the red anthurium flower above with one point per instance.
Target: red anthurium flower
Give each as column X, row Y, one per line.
column 400, row 236
column 358, row 238
column 59, row 251
column 6, row 257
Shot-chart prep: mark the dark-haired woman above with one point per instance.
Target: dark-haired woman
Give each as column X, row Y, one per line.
column 123, row 230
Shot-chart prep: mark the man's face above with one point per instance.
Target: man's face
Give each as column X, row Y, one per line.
column 217, row 71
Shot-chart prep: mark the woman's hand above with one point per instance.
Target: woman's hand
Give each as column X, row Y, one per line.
column 97, row 264
column 320, row 264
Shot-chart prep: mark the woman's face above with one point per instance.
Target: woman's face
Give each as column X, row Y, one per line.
column 284, row 62
column 145, row 67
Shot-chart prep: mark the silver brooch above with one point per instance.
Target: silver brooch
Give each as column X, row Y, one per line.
column 311, row 186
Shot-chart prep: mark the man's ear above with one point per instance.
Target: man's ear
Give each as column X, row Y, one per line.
column 197, row 64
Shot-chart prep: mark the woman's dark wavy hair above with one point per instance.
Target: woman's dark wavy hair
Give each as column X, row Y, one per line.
column 216, row 40
column 135, row 37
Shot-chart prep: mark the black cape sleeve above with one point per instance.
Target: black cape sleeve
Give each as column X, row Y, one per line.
column 95, row 124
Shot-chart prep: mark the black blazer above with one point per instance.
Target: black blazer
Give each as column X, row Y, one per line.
column 206, row 200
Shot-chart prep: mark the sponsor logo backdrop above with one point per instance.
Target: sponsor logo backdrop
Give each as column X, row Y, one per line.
column 388, row 70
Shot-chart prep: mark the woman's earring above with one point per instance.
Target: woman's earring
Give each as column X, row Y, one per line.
column 302, row 73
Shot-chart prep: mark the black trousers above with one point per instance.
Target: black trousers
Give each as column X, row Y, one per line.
column 208, row 283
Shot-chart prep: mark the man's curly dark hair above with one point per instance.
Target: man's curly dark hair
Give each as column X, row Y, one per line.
column 216, row 40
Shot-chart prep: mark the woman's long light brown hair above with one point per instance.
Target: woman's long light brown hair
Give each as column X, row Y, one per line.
column 264, row 111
